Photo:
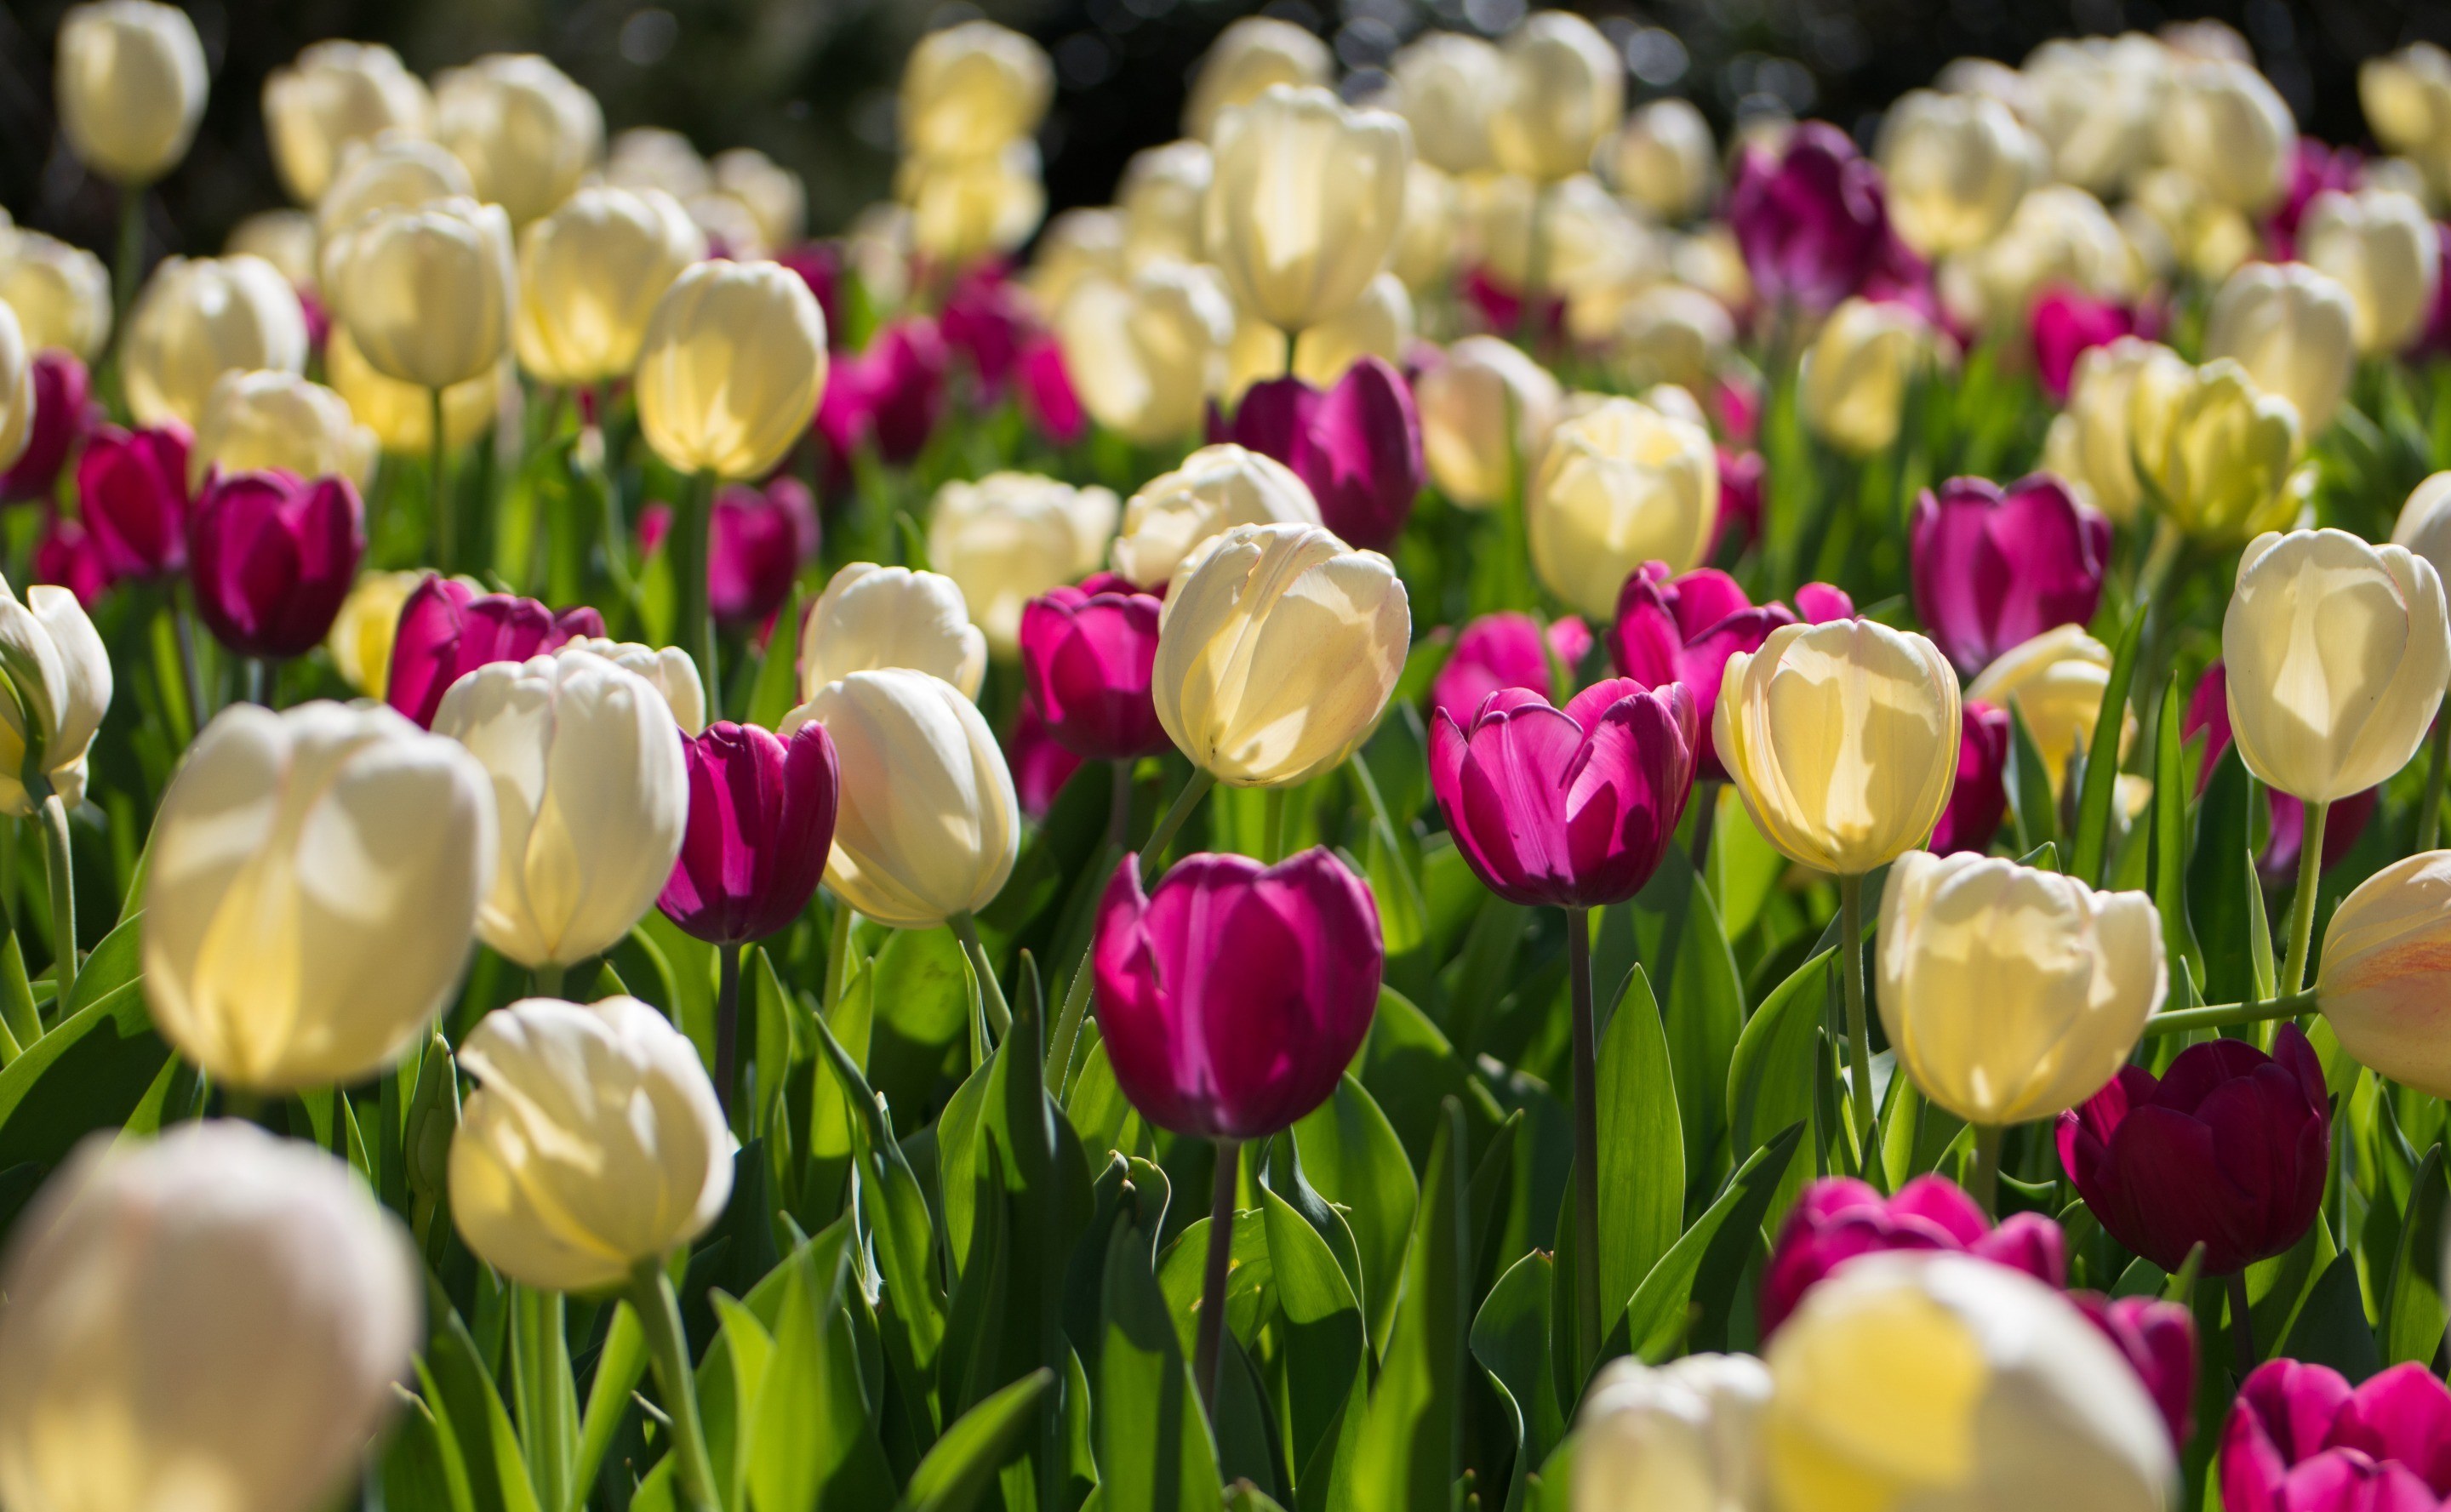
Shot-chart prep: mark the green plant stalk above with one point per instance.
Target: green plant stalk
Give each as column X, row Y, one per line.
column 1293, row 343
column 659, row 1316
column 727, row 1024
column 1211, row 1340
column 1185, row 801
column 545, row 980
column 2242, row 1325
column 695, row 627
column 2223, row 1015
column 1986, row 1189
column 129, row 268
column 991, row 993
column 1859, row 1018
column 2429, row 813
column 59, row 867
column 2301, row 906
column 444, row 522
column 1587, row 1142
column 838, row 958
column 1273, row 839
column 1536, row 271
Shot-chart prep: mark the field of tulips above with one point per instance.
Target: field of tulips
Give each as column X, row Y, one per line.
column 1489, row 802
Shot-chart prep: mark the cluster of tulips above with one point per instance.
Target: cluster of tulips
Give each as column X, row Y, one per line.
column 746, row 808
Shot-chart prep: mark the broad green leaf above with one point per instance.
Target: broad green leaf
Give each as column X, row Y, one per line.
column 1326, row 1375
column 962, row 1467
column 777, row 687
column 619, row 1366
column 17, row 995
column 2091, row 859
column 729, row 1385
column 2216, row 905
column 415, row 1472
column 813, row 1444
column 1351, row 1155
column 2171, row 787
column 1153, row 1446
column 2332, row 1328
column 2414, row 1314
column 1641, row 1147
column 1742, row 867
column 1705, row 1014
column 111, row 965
column 481, row 1429
column 1663, row 1306
column 90, row 1071
column 1775, row 1077
column 1411, row 1432
column 1510, row 1338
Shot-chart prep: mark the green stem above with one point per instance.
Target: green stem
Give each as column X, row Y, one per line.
column 1179, row 811
column 1272, row 833
column 60, row 869
column 697, row 627
column 2301, row 907
column 2429, row 814
column 727, row 1023
column 1211, row 1336
column 1859, row 1018
column 1067, row 1024
column 1119, row 804
column 545, row 980
column 1293, row 343
column 130, row 269
column 2223, row 1015
column 444, row 522
column 1986, row 1190
column 1536, row 271
column 838, row 957
column 1587, row 1143
column 659, row 1317
column 991, row 993
column 183, row 629
column 2242, row 1325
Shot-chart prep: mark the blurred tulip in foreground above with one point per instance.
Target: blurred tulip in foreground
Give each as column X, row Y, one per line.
column 761, row 819
column 130, row 86
column 449, row 628
column 731, row 367
column 1086, row 655
column 2300, row 1439
column 1993, row 568
column 1980, row 798
column 1686, row 1434
column 1506, row 650
column 61, row 393
column 1357, row 447
column 271, row 556
column 1215, row 489
column 871, row 618
column 200, row 318
column 133, row 495
column 66, row 557
column 2383, row 986
column 1040, row 767
column 61, row 293
column 1838, row 1218
column 1683, row 627
column 2159, row 1340
column 1011, row 537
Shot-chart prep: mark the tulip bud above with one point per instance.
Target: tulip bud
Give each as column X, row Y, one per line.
column 2225, row 126
column 1486, row 413
column 1424, row 254
column 2293, row 329
column 731, row 367
column 666, row 669
column 655, row 157
column 890, row 396
column 962, row 209
column 2091, row 445
column 2300, row 1437
column 929, row 824
column 2059, row 237
column 1509, row 650
column 59, row 676
column 401, row 416
column 333, row 94
column 288, row 240
column 200, row 318
column 1216, row 489
column 1562, row 95
column 1143, row 353
column 1357, row 447
column 1842, row 740
column 1980, row 797
column 448, row 628
column 2408, row 98
column 2095, row 102
column 2056, row 682
column 774, row 194
column 1685, row 1435
column 1249, row 57
column 1306, row 202
column 232, row 1313
column 590, row 275
column 1811, row 221
column 2065, row 326
column 1276, row 653
column 2338, row 652
column 276, row 421
column 59, row 411
column 2217, row 453
column 2380, row 985
column 1077, row 244
column 1955, row 166
column 1163, row 195
column 1617, row 486
column 392, row 172
column 2425, row 524
column 1666, row 160
column 130, row 89
column 2384, row 249
column 761, row 819
column 427, row 294
column 870, row 618
column 525, row 133
column 1231, row 997
column 1838, row 1218
column 1852, row 389
column 1447, row 84
column 61, row 293
column 1993, row 568
column 1377, row 323
column 272, row 557
column 1086, row 655
column 363, row 631
column 593, row 1143
column 969, row 89
column 1012, row 537
column 133, row 495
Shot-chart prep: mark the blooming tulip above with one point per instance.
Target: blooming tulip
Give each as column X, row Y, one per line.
column 232, row 1313
column 2381, row 986
column 2059, row 237
column 313, row 893
column 288, row 240
column 2384, row 249
column 1683, row 628
column 761, row 819
column 1276, row 653
column 2299, row 1439
column 1621, row 486
column 402, row 415
column 589, row 276
column 731, row 367
column 1563, row 94
column 2209, row 712
column 871, row 618
column 524, row 131
column 1838, row 1218
column 272, row 557
column 203, row 317
column 1163, row 195
column 427, row 293
column 1306, row 202
column 58, row 390
column 392, row 172
column 1216, row 489
column 2092, row 446
column 2159, row 1340
column 130, row 88
column 1377, row 323
column 2424, row 522
column 756, row 540
column 962, row 209
column 60, row 293
column 1686, row 1434
column 2293, row 329
column 1357, row 447
column 1447, row 84
column 1040, row 767
column 1811, row 221
column 929, row 824
column 2219, row 455
column 2067, row 325
column 891, row 395
column 969, row 89
column 667, row 669
column 1852, row 388
column 1673, row 334
column 58, row 676
column 1086, row 660
column 1232, row 995
column 1993, row 568
column 133, row 495
column 332, row 94
column 361, row 633
column 1666, row 160
column 2226, row 1149
column 2225, row 125
column 1047, row 397
column 1508, row 650
column 2094, row 102
column 2407, row 100
column 447, row 629
column 276, row 421
column 1980, row 797
column 1247, row 58
column 775, row 195
column 1954, row 165
column 1486, row 411
column 1012, row 537
column 655, row 157
column 2056, row 682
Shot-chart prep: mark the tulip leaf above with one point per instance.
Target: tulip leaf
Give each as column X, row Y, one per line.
column 1326, row 1349
column 1351, row 1155
column 469, row 1412
column 1771, row 1073
column 1641, row 1147
column 730, row 1382
column 2169, row 836
column 813, row 1438
column 1153, row 1446
column 109, row 966
column 1743, row 867
column 1510, row 1339
column 2331, row 1329
column 1486, row 969
column 90, row 1071
column 2216, row 906
column 1664, row 1306
column 1411, row 1432
column 2032, row 808
column 2090, row 861
column 2414, row 1313
column 415, row 1470
column 1705, row 1010
column 1410, row 1068
column 2264, row 974
column 776, row 692
column 899, row 1226
column 17, row 995
column 963, row 1465
column 619, row 1366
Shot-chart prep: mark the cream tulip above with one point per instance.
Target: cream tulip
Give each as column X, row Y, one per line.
column 1486, row 413
column 16, row 389
column 2225, row 125
column 1954, row 167
column 61, row 293
column 2384, row 248
column 312, row 897
column 2058, row 236
column 592, row 1144
column 286, row 238
column 1163, row 195
column 2407, row 100
column 929, row 824
column 2383, row 985
column 774, row 194
column 729, row 226
column 200, row 318
column 1425, row 252
column 1216, row 489
column 525, row 131
column 1709, row 260
column 2294, row 329
column 655, row 157
column 1852, row 389
column 1682, row 1436
column 567, row 741
column 1011, row 537
column 1249, row 58
column 1673, row 333
column 1842, row 740
column 1306, row 202
column 968, row 89
column 2094, row 100
column 278, row 421
column 427, row 293
column 731, row 367
column 2172, row 224
column 589, row 276
column 1276, row 653
column 1565, row 93
column 215, row 1321
column 332, row 94
column 129, row 86
column 870, row 618
column 2424, row 522
column 966, row 209
column 1379, row 324
column 2088, row 446
column 1619, row 486
column 1447, row 84
column 402, row 415
column 1666, row 161
column 2055, row 681
column 58, row 676
column 1144, row 351
column 360, row 641
column 878, row 246
column 2216, row 454
column 666, row 669
column 1077, row 245
column 392, row 172
column 2337, row 653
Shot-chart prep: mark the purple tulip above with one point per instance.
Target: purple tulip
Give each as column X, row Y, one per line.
column 448, row 630
column 1684, row 629
column 1358, row 445
column 2158, row 1339
column 63, row 413
column 1740, row 499
column 2315, row 170
column 821, row 267
column 2208, row 711
column 1086, row 656
column 1993, row 568
column 1813, row 224
column 1980, row 800
column 761, row 819
column 1567, row 807
column 2299, row 1439
column 758, row 538
column 1232, row 997
column 2226, row 1149
column 66, row 556
column 1047, row 393
column 1040, row 767
column 271, row 556
column 890, row 396
column 1505, row 650
column 1837, row 1218
column 2065, row 324
column 2435, row 340
column 132, row 495
column 987, row 319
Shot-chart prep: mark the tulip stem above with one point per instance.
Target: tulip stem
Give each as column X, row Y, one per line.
column 183, row 631
column 1293, row 343
column 1179, row 811
column 1068, row 1026
column 2242, row 1326
column 838, row 958
column 1587, row 1143
column 990, row 992
column 445, row 524
column 2301, row 907
column 1859, row 1019
column 1212, row 1285
column 1119, row 805
column 1986, row 1189
column 694, row 626
column 727, row 1023
column 1536, row 271
column 130, row 269
column 545, row 980
column 1272, row 832
column 2223, row 1015
column 2429, row 817
column 60, row 870
column 659, row 1316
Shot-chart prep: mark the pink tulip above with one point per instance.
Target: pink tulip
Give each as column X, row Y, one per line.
column 132, row 495
column 272, row 557
column 987, row 319
column 1980, row 800
column 1358, row 445
column 2208, row 711
column 1684, row 629
column 448, row 630
column 890, row 396
column 1505, row 650
column 821, row 267
column 1500, row 305
column 66, row 555
column 1837, row 1218
column 1047, row 393
column 64, row 411
column 761, row 819
column 1040, row 767
column 2065, row 324
column 2299, row 1439
column 757, row 540
column 1740, row 499
column 1232, row 997
column 2158, row 1339
column 2435, row 340
column 1086, row 656
column 1813, row 224
column 1993, row 568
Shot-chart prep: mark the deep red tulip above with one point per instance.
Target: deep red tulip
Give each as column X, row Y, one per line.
column 1567, row 807
column 1047, row 393
column 1086, row 660
column 2208, row 711
column 1232, row 997
column 1813, row 224
column 1683, row 630
column 890, row 396
column 2064, row 325
column 2315, row 170
column 1995, row 567
column 1358, row 445
column 133, row 495
column 1040, row 767
column 761, row 819
column 448, row 630
column 2226, row 1149
column 66, row 555
column 2158, row 1339
column 272, row 557
column 1837, row 1218
column 1980, row 800
column 1501, row 304
column 63, row 412
column 2299, row 1439
column 1505, row 650
column 987, row 319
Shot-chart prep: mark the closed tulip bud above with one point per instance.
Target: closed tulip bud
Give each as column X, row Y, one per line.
column 427, row 294
column 401, row 416
column 1012, row 537
column 593, row 1143
column 130, row 88
column 1216, row 489
column 870, row 618
column 2055, row 681
column 1086, row 656
column 2067, row 325
column 1509, row 650
column 1306, row 202
column 59, row 679
column 1931, row 1381
column 1563, row 94
column 2381, row 986
column 1666, row 160
column 1686, row 1434
column 1838, row 1218
column 2293, row 329
column 526, row 134
column 1277, row 651
column 1163, row 194
column 655, row 157
column 203, row 317
column 1617, row 486
column 61, row 293
column 272, row 557
column 1425, row 250
column 963, row 209
column 448, row 628
column 2384, row 249
column 2338, row 652
column 1682, row 628
column 1357, row 447
column 232, row 1313
column 761, row 819
column 1980, row 798
column 756, row 540
column 60, row 412
column 362, row 631
column 2219, row 453
column 2406, row 96
column 2090, row 444
column 133, row 497
column 335, row 93
column 969, row 89
column 1378, row 325
column 1231, row 997
column 392, row 172
column 1842, row 739
column 16, row 392
column 1447, row 84
column 2299, row 1439
column 1486, row 413
column 276, row 421
column 589, row 276
column 2095, row 102
column 1143, row 352
column 1853, row 387
column 1955, row 166
column 666, row 669
column 731, row 367
column 2059, row 237
column 1993, row 568
column 1809, row 219
column 1247, row 59
column 929, row 823
column 2225, row 125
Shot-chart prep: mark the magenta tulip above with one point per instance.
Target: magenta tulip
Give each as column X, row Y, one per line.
column 66, row 556
column 1980, row 800
column 1813, row 224
column 1505, row 650
column 1684, row 629
column 1047, row 393
column 1837, row 1218
column 64, row 411
column 2315, row 170
column 132, row 495
column 1567, row 807
column 271, row 556
column 2208, row 711
column 820, row 266
column 1358, row 445
column 1086, row 656
column 1232, row 997
column 1995, row 567
column 1040, row 767
column 2065, row 325
column 2226, row 1149
column 987, row 319
column 756, row 540
column 2299, row 1439
column 1740, row 499
column 761, row 819
column 2158, row 1339
column 1499, row 305
column 890, row 396
column 448, row 630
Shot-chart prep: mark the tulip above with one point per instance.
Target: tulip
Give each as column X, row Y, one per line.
column 969, row 89
column 2059, row 237
column 130, row 89
column 203, row 317
column 1077, row 244
column 2384, row 249
column 333, row 94
column 2408, row 98
column 1163, row 195
column 271, row 556
column 1993, row 568
column 526, row 134
column 1010, row 538
column 1040, row 767
column 1682, row 629
column 964, row 210
column 1276, row 653
column 2299, row 1439
column 1357, row 447
column 232, row 1313
column 1619, row 486
column 61, row 294
column 756, row 540
column 732, row 360
column 59, row 680
column 589, row 276
column 1852, row 388
column 448, row 628
column 1933, row 1380
column 2226, row 1149
column 666, row 669
column 2064, row 326
column 2056, row 682
column 2381, row 986
column 56, row 423
column 655, row 157
column 362, row 631
column 2091, row 445
column 1563, row 94
column 1447, row 84
column 2293, row 329
column 276, row 421
column 1980, row 797
column 1673, row 334
column 761, row 817
column 17, row 396
column 1047, row 397
column 402, row 415
column 2209, row 712
column 2219, row 455
column 2316, row 170
column 1838, row 1218
column 1143, row 353
column 1247, row 59
column 65, row 557
column 991, row 320
column 1955, row 166
column 1686, row 1434
column 890, row 396
column 392, row 172
column 775, row 195
column 1378, row 324
column 1086, row 654
column 428, row 294
column 2225, row 125
column 1427, row 242
column 133, row 495
column 870, row 618
column 1486, row 411
column 1216, row 489
column 288, row 240
column 1306, row 202
column 1810, row 222
column 312, row 897
column 2095, row 102
column 929, row 825
column 1509, row 650
column 2159, row 1340
column 1666, row 160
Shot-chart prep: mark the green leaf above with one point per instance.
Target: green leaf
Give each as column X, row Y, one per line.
column 963, row 1465
column 1770, row 1075
column 2170, row 790
column 17, row 995
column 2332, row 1328
column 1411, row 1433
column 1510, row 1338
column 619, row 1366
column 1641, row 1147
column 1351, row 1155
column 463, row 1396
column 2216, row 906
column 415, row 1472
column 2031, row 805
column 778, row 689
column 1153, row 1446
column 92, row 1070
column 2262, row 969
column 812, row 1437
column 2414, row 1314
column 729, row 1385
column 2090, row 861
column 1658, row 1318
column 1743, row 867
column 110, row 966
column 1326, row 1375
column 899, row 1226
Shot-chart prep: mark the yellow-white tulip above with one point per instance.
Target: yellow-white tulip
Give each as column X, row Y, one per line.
column 966, row 209
column 1565, row 93
column 1619, row 486
column 2294, row 329
column 129, row 86
column 2055, row 683
column 61, row 293
column 362, row 631
column 333, row 94
column 16, row 389
column 589, row 276
column 2172, row 224
column 1954, row 167
column 1425, row 250
column 2382, row 247
column 2088, row 444
column 1447, row 84
column 285, row 238
column 1682, row 1436
column 2383, row 985
column 1486, row 413
column 731, row 367
column 1306, row 202
column 970, row 88
column 1163, row 195
column 1666, row 160
column 402, row 415
column 2218, row 455
column 200, row 318
column 275, row 420
column 1144, row 351
column 666, row 669
column 2095, row 101
column 2425, row 524
column 2407, row 100
column 1216, row 489
column 526, row 132
column 774, row 194
column 870, row 618
column 2058, row 236
column 1011, row 537
column 1673, row 333
column 59, row 675
column 1852, row 390
column 2225, row 125
column 391, row 172
column 655, row 157
column 1379, row 324
column 427, row 293
column 1077, row 244
column 1249, row 58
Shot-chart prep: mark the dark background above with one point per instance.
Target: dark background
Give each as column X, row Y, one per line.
column 810, row 81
